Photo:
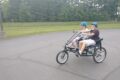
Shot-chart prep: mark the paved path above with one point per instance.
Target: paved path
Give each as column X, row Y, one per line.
column 34, row 58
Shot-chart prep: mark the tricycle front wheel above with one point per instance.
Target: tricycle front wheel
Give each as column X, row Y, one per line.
column 62, row 57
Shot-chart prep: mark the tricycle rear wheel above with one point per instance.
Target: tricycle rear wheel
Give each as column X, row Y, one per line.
column 100, row 55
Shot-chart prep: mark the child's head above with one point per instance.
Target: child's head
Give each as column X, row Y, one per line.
column 94, row 25
column 83, row 24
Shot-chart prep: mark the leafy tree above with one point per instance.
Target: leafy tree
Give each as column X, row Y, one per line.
column 60, row 10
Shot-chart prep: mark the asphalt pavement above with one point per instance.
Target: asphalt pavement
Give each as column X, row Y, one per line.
column 34, row 58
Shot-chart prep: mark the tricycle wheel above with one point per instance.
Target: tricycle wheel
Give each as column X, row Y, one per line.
column 62, row 57
column 100, row 55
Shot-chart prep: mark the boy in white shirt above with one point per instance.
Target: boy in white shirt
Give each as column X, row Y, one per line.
column 84, row 29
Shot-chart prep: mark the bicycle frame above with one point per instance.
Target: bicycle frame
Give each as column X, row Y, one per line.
column 73, row 36
column 98, row 44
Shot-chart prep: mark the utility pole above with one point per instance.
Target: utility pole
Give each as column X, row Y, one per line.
column 1, row 25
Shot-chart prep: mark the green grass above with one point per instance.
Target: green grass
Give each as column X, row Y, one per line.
column 22, row 29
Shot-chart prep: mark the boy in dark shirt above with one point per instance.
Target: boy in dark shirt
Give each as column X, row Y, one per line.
column 96, row 33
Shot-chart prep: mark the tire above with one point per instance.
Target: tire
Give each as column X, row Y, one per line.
column 62, row 57
column 100, row 55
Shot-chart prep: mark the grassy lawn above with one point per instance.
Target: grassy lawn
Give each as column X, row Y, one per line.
column 22, row 29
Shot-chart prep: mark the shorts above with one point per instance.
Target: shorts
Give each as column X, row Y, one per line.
column 89, row 42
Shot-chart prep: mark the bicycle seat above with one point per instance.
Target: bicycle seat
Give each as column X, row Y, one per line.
column 99, row 40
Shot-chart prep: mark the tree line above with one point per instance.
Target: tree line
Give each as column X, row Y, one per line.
column 60, row 10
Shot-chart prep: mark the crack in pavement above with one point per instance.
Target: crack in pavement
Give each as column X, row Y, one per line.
column 47, row 65
column 27, row 52
column 110, row 73
column 18, row 56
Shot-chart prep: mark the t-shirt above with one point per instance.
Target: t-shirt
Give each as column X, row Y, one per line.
column 96, row 34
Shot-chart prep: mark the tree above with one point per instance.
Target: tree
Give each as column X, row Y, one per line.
column 13, row 10
column 60, row 10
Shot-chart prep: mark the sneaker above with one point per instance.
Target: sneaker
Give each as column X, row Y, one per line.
column 80, row 52
column 77, row 54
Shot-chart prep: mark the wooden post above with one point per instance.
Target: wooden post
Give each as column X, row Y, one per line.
column 1, row 25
